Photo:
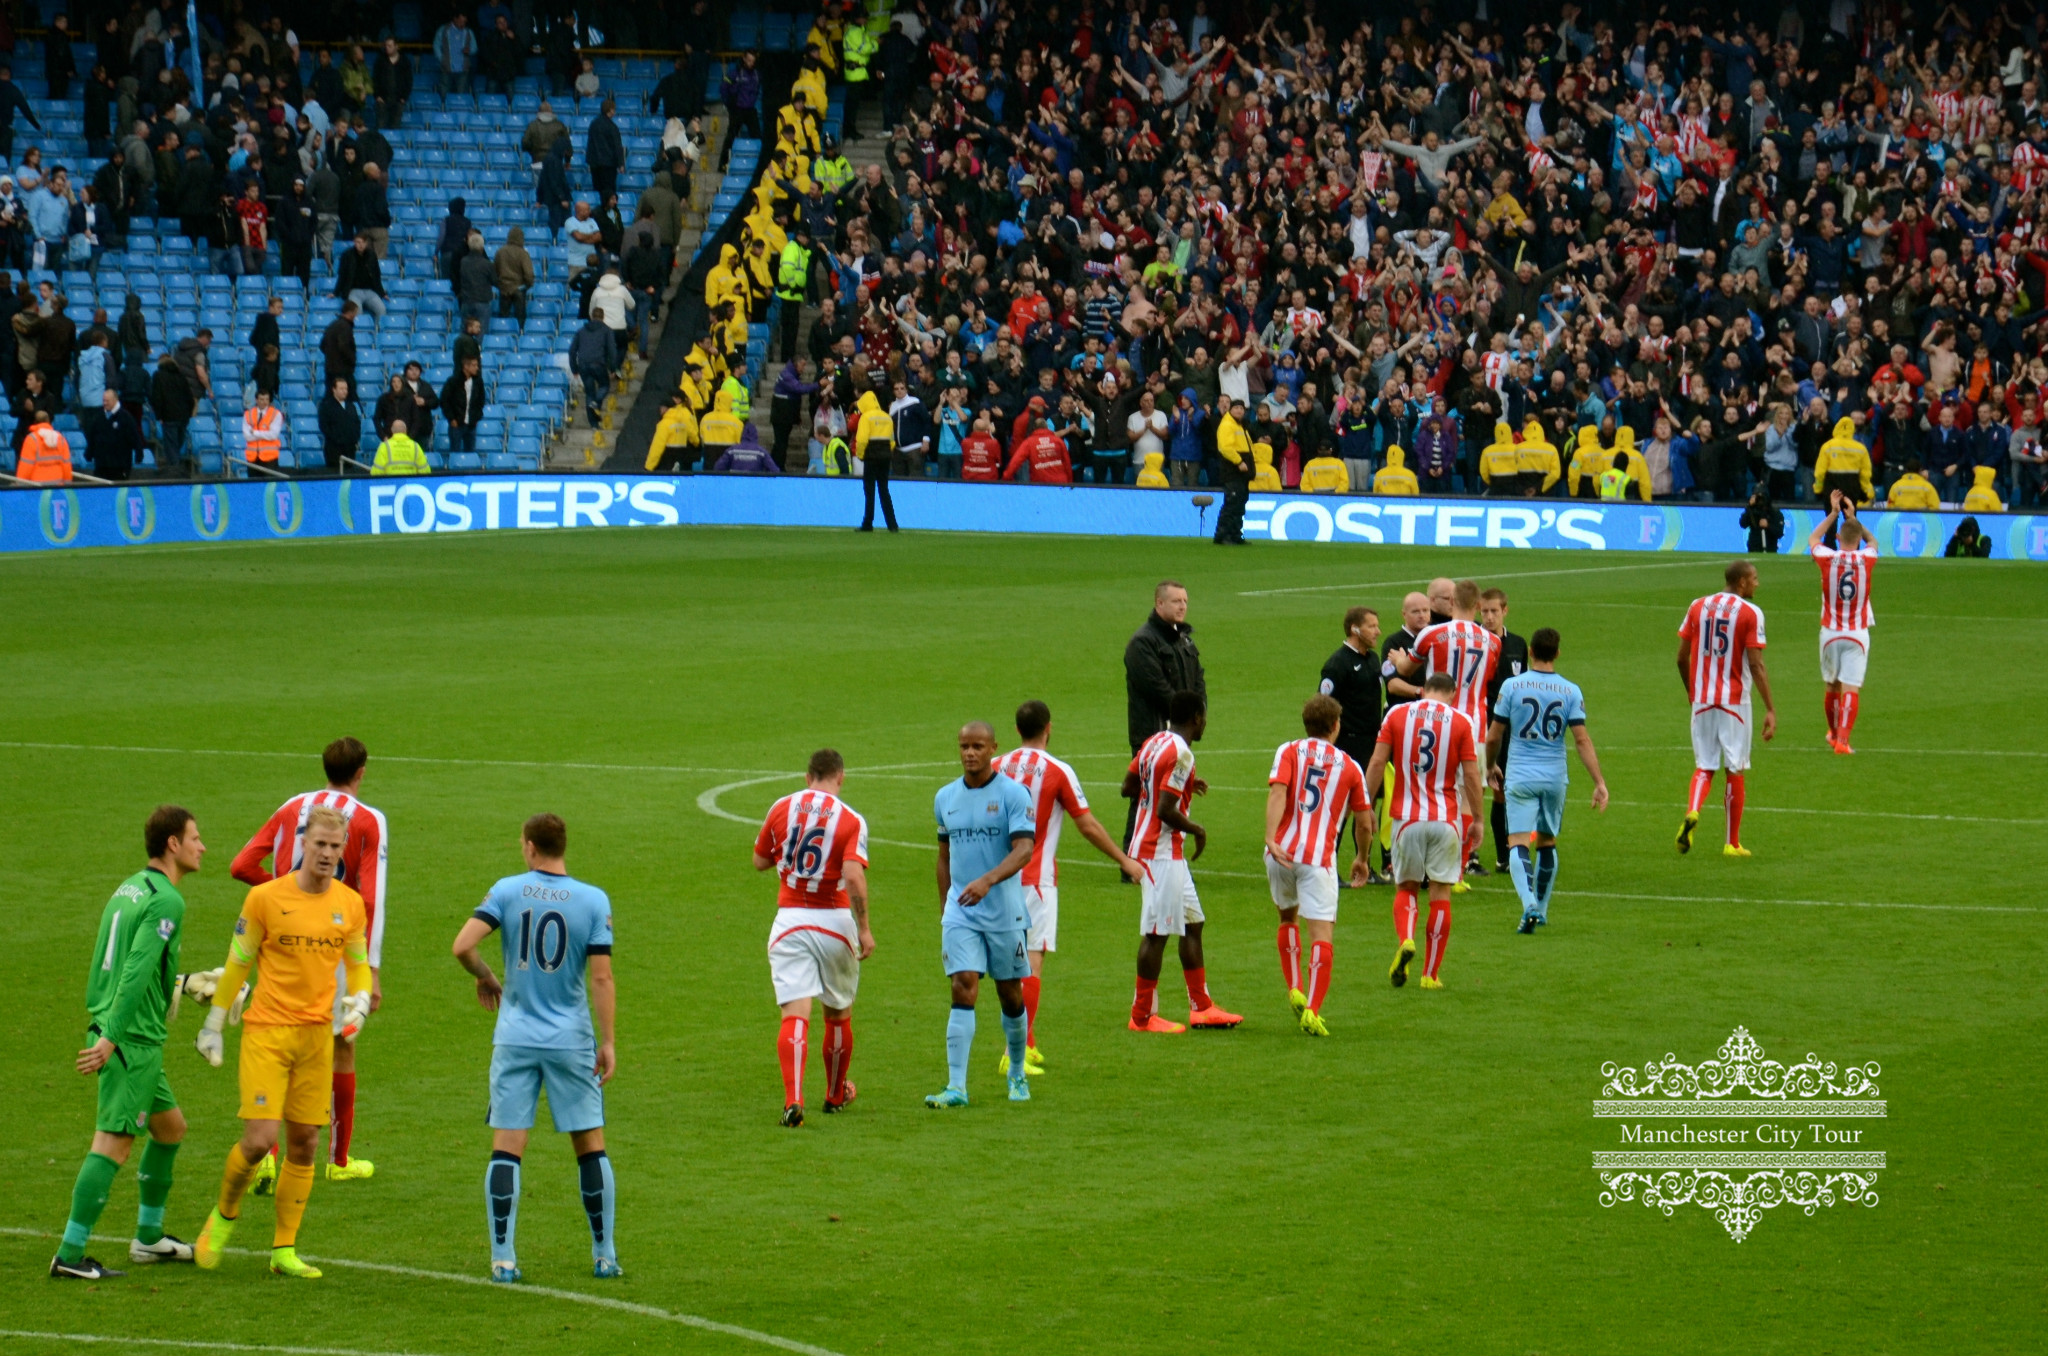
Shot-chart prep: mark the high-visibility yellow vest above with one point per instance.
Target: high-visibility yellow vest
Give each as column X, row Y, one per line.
column 793, row 272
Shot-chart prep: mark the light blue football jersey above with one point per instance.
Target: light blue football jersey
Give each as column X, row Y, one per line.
column 1540, row 710
column 977, row 824
column 549, row 926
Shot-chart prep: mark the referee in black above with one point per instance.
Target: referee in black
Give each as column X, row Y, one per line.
column 1514, row 661
column 1352, row 677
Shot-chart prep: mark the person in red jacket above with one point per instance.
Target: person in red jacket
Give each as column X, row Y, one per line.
column 981, row 456
column 1046, row 453
column 1026, row 423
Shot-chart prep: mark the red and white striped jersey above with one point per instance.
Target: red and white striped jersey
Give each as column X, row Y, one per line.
column 1055, row 796
column 1468, row 652
column 812, row 835
column 1324, row 784
column 1427, row 743
column 1722, row 628
column 362, row 855
column 2028, row 166
column 1494, row 368
column 1166, row 767
column 1845, row 587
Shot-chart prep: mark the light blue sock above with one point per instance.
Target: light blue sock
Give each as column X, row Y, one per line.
column 1518, row 869
column 959, row 1041
column 1546, row 878
column 600, row 1202
column 1013, row 1031
column 501, row 1203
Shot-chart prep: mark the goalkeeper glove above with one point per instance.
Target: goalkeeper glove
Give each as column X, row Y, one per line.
column 355, row 1010
column 209, row 1042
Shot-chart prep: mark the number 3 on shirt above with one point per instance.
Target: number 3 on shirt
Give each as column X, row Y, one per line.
column 1425, row 751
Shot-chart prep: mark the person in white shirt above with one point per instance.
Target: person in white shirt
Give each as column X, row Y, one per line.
column 1147, row 427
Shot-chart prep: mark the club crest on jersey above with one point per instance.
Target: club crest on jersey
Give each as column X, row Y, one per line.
column 991, row 807
column 337, row 920
column 262, row 1099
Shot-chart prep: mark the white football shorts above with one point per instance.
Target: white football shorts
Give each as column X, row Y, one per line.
column 815, row 953
column 1312, row 889
column 1428, row 850
column 1720, row 738
column 1843, row 656
column 1042, row 904
column 1169, row 902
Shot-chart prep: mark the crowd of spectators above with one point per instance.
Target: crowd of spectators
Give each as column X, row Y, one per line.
column 1680, row 245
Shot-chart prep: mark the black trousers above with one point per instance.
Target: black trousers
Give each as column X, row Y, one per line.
column 875, row 480
column 1499, row 817
column 604, row 179
column 746, row 120
column 792, row 320
column 1237, row 490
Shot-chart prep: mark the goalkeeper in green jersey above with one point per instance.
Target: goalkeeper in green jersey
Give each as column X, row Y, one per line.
column 130, row 992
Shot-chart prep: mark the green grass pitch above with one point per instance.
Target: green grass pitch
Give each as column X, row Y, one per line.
column 1421, row 1182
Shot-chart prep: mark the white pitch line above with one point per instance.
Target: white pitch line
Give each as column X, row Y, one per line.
column 102, row 1339
column 1803, row 903
column 1844, row 814
column 1525, row 574
column 766, row 1339
column 1945, row 754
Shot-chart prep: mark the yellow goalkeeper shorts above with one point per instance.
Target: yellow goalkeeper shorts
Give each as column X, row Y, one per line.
column 287, row 1072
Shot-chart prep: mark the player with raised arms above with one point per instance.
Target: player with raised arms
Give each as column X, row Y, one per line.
column 985, row 840
column 556, row 935
column 1466, row 652
column 1720, row 658
column 1845, row 615
column 291, row 930
column 131, row 993
column 1532, row 715
column 1312, row 788
column 1162, row 780
column 1431, row 744
column 1056, row 796
column 817, row 845
column 362, row 869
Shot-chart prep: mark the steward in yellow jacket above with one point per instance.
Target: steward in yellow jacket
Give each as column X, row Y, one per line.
column 1234, row 446
column 1843, row 464
column 724, row 282
column 1589, row 459
column 721, row 427
column 1395, row 478
column 1325, row 475
column 1913, row 491
column 1638, row 464
column 1264, row 477
column 1983, row 496
column 676, row 439
column 1153, row 477
column 875, row 434
column 1537, row 460
column 1500, row 463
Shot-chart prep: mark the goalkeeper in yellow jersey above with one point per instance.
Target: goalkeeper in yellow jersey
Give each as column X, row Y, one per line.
column 292, row 930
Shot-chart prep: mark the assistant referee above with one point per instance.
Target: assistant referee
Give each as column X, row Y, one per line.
column 1352, row 677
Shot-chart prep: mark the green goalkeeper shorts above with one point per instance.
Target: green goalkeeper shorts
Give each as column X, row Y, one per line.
column 132, row 1088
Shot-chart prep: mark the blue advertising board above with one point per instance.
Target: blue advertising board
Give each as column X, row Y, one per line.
column 135, row 514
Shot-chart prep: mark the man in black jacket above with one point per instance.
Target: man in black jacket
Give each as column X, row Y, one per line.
column 112, row 438
column 341, row 424
column 604, row 150
column 1160, row 660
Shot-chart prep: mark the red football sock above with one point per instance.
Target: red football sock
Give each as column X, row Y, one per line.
column 1831, row 702
column 1289, row 942
column 343, row 1127
column 1198, row 988
column 1404, row 915
column 838, row 1054
column 791, row 1047
column 1734, row 800
column 1847, row 720
column 1438, row 936
column 1142, row 1000
column 1702, row 782
column 1319, row 957
column 1031, row 1009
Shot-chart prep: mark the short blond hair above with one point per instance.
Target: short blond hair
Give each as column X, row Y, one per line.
column 326, row 816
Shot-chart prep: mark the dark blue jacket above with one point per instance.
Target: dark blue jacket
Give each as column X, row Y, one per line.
column 741, row 88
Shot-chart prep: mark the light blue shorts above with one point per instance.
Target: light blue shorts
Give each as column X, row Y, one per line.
column 575, row 1099
column 1536, row 807
column 999, row 955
